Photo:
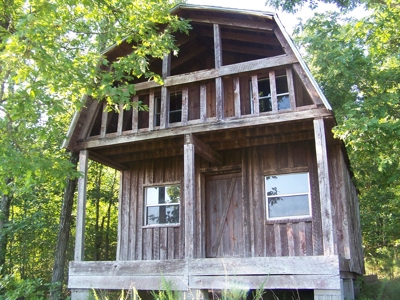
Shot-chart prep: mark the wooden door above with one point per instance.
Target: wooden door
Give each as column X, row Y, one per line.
column 224, row 216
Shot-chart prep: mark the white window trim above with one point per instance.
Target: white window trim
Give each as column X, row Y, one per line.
column 295, row 217
column 158, row 205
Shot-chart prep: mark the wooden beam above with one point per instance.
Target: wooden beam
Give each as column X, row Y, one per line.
column 189, row 192
column 219, row 98
column 164, row 117
column 254, row 95
column 210, row 273
column 135, row 114
column 203, row 102
column 81, row 207
column 217, row 46
column 282, row 40
column 254, row 65
column 274, row 97
column 90, row 118
column 151, row 110
column 104, row 120
column 307, row 83
column 258, row 64
column 265, row 140
column 219, row 84
column 324, row 187
column 268, row 281
column 120, row 118
column 140, row 156
column 185, row 106
column 232, row 22
column 166, row 66
column 236, row 96
column 146, row 85
column 249, row 121
column 106, row 161
column 191, row 77
column 290, row 81
column 153, row 145
column 204, row 150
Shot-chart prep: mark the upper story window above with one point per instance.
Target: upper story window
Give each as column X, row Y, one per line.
column 162, row 204
column 264, row 93
column 175, row 108
column 288, row 196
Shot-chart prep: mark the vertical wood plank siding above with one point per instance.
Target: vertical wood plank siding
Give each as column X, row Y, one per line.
column 345, row 205
column 259, row 236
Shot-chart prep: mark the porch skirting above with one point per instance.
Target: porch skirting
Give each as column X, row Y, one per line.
column 299, row 272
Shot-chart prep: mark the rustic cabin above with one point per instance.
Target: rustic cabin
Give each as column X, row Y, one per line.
column 232, row 178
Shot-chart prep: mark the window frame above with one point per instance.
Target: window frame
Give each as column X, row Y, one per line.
column 269, row 96
column 145, row 205
column 157, row 104
column 292, row 217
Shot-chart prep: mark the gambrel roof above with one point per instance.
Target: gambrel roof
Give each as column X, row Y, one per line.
column 250, row 42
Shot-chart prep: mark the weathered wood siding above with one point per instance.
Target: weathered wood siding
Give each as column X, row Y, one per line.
column 346, row 217
column 136, row 241
column 258, row 237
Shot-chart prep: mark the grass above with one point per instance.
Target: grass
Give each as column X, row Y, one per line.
column 384, row 289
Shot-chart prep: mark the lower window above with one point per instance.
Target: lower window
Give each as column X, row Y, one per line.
column 288, row 196
column 162, row 204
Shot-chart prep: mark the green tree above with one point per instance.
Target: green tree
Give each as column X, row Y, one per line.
column 49, row 58
column 357, row 63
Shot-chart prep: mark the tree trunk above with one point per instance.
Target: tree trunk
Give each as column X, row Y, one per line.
column 63, row 232
column 5, row 203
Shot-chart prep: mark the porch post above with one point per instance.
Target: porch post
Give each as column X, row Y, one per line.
column 80, row 220
column 189, row 194
column 324, row 188
column 81, row 207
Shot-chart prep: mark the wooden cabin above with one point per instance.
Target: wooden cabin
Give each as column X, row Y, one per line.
column 231, row 178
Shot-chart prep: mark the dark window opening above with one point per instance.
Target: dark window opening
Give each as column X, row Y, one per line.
column 175, row 108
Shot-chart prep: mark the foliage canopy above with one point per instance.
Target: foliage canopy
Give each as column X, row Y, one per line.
column 357, row 63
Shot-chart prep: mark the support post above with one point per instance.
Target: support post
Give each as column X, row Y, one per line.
column 80, row 220
column 324, row 187
column 203, row 102
column 254, row 96
column 166, row 71
column 274, row 97
column 236, row 96
column 104, row 121
column 135, row 114
column 219, row 84
column 189, row 195
column 81, row 207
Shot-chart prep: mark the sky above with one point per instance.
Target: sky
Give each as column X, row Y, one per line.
column 288, row 20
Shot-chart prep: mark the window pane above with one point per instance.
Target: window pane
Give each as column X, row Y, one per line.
column 168, row 214
column 152, row 195
column 173, row 194
column 287, row 184
column 175, row 101
column 288, row 206
column 264, row 88
column 175, row 116
column 157, row 110
column 265, row 104
column 283, row 102
column 281, row 85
